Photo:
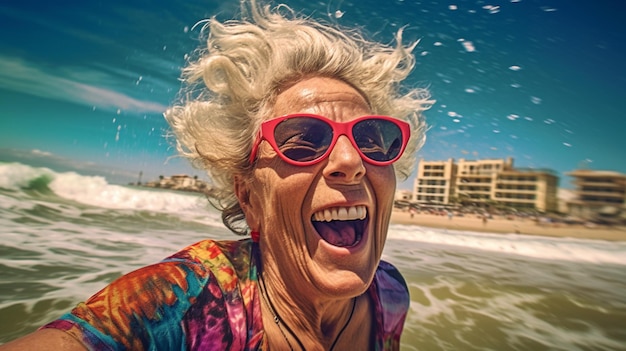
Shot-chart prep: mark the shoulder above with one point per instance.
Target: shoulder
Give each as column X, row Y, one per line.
column 212, row 252
column 390, row 270
column 391, row 297
column 228, row 261
column 390, row 280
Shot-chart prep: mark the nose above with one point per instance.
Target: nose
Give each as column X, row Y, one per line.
column 344, row 163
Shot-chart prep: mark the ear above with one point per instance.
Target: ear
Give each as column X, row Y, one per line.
column 242, row 191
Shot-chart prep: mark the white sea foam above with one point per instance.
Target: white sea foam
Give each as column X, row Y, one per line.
column 96, row 191
column 14, row 176
column 567, row 249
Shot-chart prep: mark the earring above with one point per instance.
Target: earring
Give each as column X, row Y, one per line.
column 255, row 235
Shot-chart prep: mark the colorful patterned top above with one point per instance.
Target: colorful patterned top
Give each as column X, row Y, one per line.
column 205, row 297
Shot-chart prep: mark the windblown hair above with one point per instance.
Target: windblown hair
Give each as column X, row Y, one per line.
column 230, row 88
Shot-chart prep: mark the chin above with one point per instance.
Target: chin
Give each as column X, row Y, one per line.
column 345, row 271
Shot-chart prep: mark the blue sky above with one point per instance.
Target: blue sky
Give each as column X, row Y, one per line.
column 83, row 84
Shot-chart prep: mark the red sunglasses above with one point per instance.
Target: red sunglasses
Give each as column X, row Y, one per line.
column 306, row 139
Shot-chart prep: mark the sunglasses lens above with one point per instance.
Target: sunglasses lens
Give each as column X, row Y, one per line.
column 303, row 139
column 378, row 139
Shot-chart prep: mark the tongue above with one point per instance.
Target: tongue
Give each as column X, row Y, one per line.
column 337, row 233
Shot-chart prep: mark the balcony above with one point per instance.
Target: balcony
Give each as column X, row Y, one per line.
column 601, row 194
column 599, row 183
column 516, row 181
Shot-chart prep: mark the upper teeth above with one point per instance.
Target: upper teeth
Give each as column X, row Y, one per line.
column 340, row 214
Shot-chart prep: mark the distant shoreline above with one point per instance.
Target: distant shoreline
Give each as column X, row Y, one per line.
column 510, row 226
column 468, row 222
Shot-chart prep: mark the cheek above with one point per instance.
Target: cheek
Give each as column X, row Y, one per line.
column 383, row 180
column 280, row 191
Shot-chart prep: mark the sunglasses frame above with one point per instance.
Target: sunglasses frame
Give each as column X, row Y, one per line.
column 266, row 132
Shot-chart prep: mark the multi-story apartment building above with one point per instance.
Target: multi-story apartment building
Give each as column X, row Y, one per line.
column 527, row 189
column 597, row 193
column 434, row 181
column 485, row 182
column 475, row 179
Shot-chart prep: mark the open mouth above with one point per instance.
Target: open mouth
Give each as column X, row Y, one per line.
column 341, row 226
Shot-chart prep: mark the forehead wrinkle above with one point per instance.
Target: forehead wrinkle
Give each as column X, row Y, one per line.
column 334, row 104
column 319, row 94
column 311, row 97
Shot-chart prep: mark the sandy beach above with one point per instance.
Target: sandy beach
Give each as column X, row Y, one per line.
column 504, row 225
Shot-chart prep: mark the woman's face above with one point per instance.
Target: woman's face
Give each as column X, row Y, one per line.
column 338, row 258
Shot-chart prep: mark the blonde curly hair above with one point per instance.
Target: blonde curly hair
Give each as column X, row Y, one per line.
column 230, row 88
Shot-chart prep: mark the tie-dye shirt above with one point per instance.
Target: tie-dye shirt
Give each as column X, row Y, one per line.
column 205, row 297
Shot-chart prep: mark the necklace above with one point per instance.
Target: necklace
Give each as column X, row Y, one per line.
column 332, row 347
column 280, row 323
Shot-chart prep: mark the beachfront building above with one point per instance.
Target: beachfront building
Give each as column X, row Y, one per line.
column 434, row 182
column 475, row 179
column 179, row 182
column 403, row 199
column 527, row 189
column 598, row 194
column 403, row 195
column 488, row 182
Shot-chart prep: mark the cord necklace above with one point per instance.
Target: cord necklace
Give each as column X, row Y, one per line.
column 280, row 323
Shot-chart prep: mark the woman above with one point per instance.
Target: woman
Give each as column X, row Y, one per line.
column 288, row 117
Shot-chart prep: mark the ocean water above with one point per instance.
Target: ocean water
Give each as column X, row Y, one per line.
column 64, row 235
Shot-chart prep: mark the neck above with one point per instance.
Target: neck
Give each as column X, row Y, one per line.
column 299, row 320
